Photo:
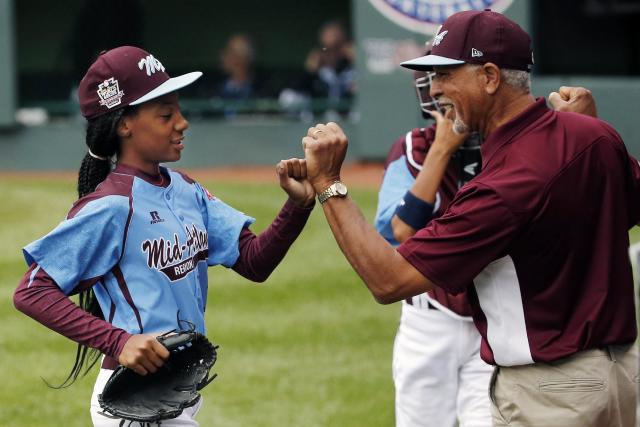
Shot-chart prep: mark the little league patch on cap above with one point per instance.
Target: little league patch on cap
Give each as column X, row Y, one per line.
column 124, row 76
column 478, row 37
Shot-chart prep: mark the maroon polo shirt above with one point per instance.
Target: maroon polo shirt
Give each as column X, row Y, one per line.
column 542, row 232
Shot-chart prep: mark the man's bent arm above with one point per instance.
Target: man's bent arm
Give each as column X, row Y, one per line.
column 387, row 274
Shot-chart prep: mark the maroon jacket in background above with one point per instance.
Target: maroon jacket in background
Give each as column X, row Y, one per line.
column 421, row 141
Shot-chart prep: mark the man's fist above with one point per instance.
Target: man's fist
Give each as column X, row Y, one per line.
column 325, row 147
column 574, row 99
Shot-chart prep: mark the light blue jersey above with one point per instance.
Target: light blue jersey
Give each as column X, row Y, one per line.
column 397, row 181
column 144, row 248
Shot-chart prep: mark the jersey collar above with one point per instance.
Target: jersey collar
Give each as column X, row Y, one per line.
column 508, row 131
column 160, row 180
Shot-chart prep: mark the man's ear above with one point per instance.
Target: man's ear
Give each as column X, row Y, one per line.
column 124, row 127
column 492, row 77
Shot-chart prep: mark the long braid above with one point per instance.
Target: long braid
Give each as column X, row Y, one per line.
column 92, row 172
column 103, row 140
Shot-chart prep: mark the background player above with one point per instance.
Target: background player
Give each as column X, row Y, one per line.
column 438, row 374
column 138, row 242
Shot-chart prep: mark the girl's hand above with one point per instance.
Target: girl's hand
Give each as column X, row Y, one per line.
column 143, row 353
column 292, row 174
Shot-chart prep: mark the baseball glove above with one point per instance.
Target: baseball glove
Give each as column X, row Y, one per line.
column 165, row 393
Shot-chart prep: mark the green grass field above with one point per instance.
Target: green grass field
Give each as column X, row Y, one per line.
column 309, row 347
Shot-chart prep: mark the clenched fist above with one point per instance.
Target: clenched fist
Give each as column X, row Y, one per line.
column 574, row 99
column 325, row 147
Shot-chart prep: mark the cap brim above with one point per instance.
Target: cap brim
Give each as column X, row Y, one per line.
column 169, row 86
column 426, row 63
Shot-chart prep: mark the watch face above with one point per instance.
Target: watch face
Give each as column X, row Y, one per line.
column 341, row 189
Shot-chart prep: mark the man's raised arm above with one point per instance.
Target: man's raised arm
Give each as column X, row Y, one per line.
column 386, row 273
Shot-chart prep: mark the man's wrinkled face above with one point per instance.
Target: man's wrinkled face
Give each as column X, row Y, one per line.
column 459, row 88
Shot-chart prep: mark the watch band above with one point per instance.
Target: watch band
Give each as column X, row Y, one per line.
column 336, row 189
column 326, row 194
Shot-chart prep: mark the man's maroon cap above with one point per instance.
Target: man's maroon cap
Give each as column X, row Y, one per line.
column 478, row 37
column 123, row 76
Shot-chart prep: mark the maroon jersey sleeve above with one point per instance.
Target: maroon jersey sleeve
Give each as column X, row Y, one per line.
column 39, row 297
column 453, row 249
column 421, row 141
column 260, row 255
column 414, row 146
column 396, row 151
column 415, row 149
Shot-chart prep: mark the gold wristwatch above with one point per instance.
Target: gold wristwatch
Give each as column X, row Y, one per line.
column 336, row 189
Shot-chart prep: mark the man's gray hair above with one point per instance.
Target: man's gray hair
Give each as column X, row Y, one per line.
column 517, row 79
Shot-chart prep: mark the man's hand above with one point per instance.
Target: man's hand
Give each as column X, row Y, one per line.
column 143, row 353
column 292, row 174
column 325, row 148
column 574, row 99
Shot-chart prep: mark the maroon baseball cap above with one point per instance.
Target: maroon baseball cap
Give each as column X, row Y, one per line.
column 478, row 37
column 123, row 76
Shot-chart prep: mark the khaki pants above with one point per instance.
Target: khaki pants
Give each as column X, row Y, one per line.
column 593, row 388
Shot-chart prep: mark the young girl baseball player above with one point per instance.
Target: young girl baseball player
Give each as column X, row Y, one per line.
column 137, row 243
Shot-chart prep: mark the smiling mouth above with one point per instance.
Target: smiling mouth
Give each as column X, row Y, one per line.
column 177, row 141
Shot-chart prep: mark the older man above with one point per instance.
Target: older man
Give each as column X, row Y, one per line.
column 538, row 239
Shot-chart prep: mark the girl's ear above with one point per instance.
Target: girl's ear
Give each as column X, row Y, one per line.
column 124, row 127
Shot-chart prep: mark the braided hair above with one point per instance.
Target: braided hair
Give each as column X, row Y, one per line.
column 103, row 142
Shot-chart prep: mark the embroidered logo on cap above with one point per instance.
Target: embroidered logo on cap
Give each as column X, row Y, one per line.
column 438, row 38
column 110, row 93
column 475, row 53
column 151, row 65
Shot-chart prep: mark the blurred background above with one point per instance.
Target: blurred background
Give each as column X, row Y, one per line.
column 272, row 69
column 310, row 347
